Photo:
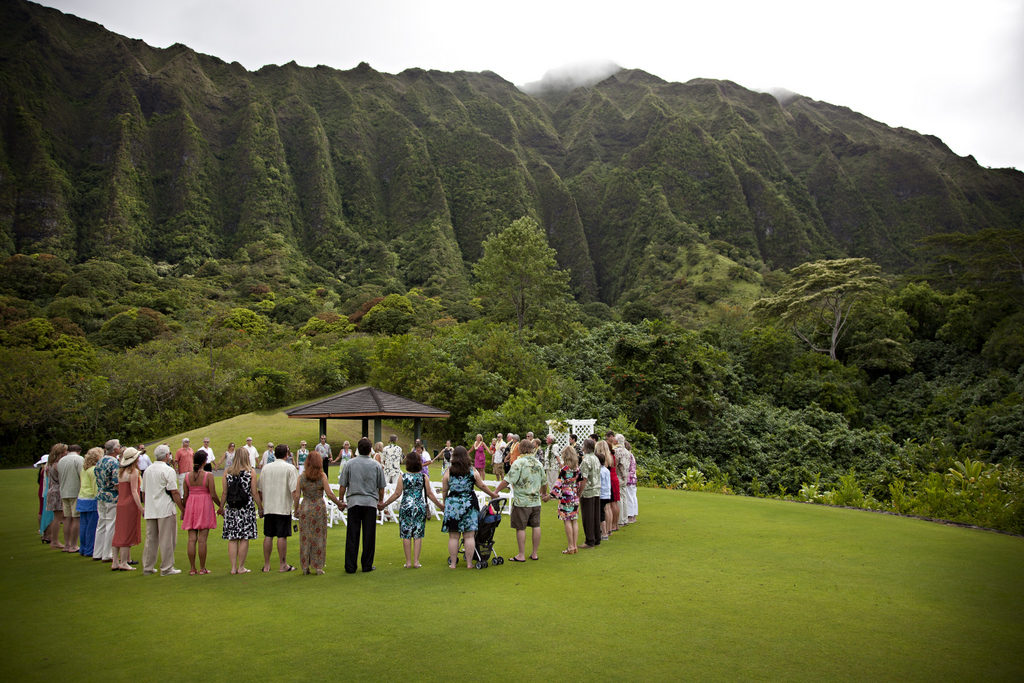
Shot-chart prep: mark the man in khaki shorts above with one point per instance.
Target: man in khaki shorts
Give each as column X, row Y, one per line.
column 70, row 470
column 529, row 488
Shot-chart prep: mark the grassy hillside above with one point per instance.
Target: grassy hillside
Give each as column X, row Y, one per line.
column 704, row 587
column 277, row 427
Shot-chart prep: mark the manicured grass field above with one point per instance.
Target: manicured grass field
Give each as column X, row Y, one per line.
column 703, row 587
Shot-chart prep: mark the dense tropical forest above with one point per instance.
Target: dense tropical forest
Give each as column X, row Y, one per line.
column 768, row 297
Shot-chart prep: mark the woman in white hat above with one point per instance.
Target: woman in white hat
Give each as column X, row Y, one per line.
column 128, row 523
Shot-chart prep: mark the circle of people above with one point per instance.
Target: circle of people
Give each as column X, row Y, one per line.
column 100, row 499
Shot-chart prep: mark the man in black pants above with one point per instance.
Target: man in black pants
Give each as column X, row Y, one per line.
column 590, row 495
column 362, row 479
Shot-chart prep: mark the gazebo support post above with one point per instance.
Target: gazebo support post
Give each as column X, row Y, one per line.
column 323, row 428
column 377, row 435
column 418, row 427
column 366, row 427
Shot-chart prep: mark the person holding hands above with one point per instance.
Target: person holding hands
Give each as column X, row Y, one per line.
column 414, row 489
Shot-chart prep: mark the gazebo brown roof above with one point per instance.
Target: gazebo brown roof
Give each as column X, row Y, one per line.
column 365, row 403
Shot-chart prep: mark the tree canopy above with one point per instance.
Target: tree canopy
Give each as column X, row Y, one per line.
column 817, row 303
column 518, row 276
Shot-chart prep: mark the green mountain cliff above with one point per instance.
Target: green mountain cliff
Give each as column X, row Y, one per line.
column 394, row 181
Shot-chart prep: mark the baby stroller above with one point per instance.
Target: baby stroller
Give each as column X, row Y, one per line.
column 489, row 521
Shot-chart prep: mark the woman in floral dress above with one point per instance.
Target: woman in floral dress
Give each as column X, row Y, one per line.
column 460, row 509
column 414, row 488
column 567, row 491
column 311, row 510
column 239, row 513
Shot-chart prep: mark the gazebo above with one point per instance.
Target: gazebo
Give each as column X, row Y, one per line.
column 363, row 404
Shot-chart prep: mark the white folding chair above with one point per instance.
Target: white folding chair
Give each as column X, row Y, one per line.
column 435, row 511
column 334, row 513
column 390, row 513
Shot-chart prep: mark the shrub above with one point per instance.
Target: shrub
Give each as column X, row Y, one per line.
column 130, row 328
column 327, row 323
column 245, row 320
column 393, row 315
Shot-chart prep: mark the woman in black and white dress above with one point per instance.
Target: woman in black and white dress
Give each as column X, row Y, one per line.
column 239, row 493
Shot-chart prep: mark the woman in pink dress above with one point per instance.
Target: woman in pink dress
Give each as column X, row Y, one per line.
column 199, row 517
column 128, row 523
column 480, row 452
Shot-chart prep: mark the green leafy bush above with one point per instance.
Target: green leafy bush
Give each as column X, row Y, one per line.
column 130, row 328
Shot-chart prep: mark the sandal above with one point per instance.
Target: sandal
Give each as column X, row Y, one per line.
column 192, row 572
column 567, row 551
column 204, row 571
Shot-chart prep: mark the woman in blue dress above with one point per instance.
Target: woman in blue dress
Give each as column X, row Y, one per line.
column 414, row 488
column 460, row 507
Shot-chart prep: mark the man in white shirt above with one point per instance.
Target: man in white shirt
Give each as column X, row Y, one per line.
column 160, row 488
column 392, row 457
column 207, row 451
column 277, row 486
column 324, row 449
column 144, row 460
column 251, row 450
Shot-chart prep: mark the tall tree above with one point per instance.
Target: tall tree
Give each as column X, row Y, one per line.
column 817, row 303
column 518, row 274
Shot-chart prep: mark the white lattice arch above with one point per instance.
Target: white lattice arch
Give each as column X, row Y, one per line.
column 561, row 431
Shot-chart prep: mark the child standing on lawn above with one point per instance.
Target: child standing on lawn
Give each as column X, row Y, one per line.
column 604, row 456
column 567, row 490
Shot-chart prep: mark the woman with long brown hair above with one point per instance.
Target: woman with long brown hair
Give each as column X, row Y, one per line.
column 414, row 490
column 461, row 515
column 311, row 510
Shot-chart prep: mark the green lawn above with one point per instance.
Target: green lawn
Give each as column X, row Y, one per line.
column 704, row 587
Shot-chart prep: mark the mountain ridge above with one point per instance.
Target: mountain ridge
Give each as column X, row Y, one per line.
column 394, row 180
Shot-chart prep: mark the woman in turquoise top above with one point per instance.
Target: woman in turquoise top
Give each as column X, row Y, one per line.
column 301, row 455
column 460, row 508
column 414, row 488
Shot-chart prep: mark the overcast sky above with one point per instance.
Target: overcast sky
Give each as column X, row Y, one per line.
column 951, row 69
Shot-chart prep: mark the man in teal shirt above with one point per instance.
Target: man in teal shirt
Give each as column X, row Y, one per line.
column 529, row 488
